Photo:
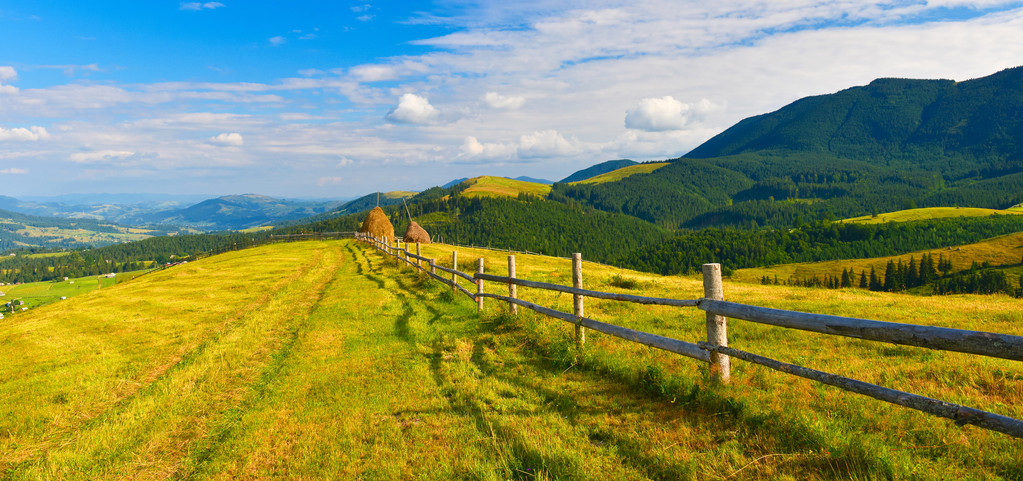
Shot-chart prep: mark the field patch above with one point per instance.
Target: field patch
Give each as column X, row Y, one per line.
column 327, row 360
column 489, row 186
column 931, row 213
column 622, row 173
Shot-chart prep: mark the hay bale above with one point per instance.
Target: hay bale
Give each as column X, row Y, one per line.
column 377, row 225
column 416, row 233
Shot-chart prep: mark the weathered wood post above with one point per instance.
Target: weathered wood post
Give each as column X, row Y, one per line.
column 479, row 287
column 577, row 282
column 512, row 288
column 433, row 265
column 454, row 266
column 419, row 252
column 717, row 326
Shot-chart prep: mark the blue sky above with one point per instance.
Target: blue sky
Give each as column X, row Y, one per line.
column 337, row 99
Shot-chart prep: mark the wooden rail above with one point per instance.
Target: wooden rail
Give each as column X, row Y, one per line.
column 715, row 350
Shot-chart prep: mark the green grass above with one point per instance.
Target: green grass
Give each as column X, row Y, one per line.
column 622, row 173
column 37, row 294
column 489, row 186
column 1003, row 250
column 927, row 213
column 324, row 360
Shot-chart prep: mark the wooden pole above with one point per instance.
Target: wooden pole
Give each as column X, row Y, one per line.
column 433, row 266
column 479, row 287
column 577, row 282
column 419, row 252
column 454, row 265
column 717, row 326
column 512, row 288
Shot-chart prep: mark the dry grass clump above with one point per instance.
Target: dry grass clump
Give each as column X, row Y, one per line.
column 377, row 225
column 416, row 233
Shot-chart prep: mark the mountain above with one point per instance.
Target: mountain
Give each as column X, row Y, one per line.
column 23, row 231
column 534, row 180
column 954, row 128
column 233, row 212
column 601, row 168
column 454, row 183
column 890, row 145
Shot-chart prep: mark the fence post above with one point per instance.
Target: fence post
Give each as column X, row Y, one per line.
column 479, row 287
column 577, row 282
column 433, row 265
column 717, row 326
column 419, row 252
column 512, row 288
column 454, row 266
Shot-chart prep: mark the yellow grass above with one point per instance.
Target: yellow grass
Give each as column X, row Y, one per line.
column 623, row 173
column 261, row 228
column 323, row 360
column 929, row 213
column 397, row 194
column 1007, row 249
column 488, row 186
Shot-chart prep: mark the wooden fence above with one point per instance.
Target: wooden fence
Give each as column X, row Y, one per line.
column 715, row 350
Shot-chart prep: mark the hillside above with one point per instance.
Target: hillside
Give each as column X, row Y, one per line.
column 235, row 212
column 489, row 186
column 323, row 360
column 623, row 172
column 890, row 145
column 21, row 231
column 598, row 169
column 910, row 215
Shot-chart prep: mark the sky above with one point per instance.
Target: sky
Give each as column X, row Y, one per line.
column 336, row 99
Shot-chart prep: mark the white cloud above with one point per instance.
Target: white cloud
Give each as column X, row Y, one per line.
column 665, row 113
column 495, row 100
column 7, row 73
column 30, row 134
column 196, row 6
column 101, row 156
column 13, row 171
column 547, row 143
column 230, row 139
column 277, row 41
column 8, row 89
column 325, row 181
column 473, row 148
column 412, row 109
column 344, row 162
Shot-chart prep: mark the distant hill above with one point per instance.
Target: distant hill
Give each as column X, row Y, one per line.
column 19, row 231
column 489, row 186
column 601, row 168
column 234, row 212
column 533, row 180
column 619, row 174
column 454, row 183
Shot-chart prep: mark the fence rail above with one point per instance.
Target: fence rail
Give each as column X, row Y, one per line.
column 715, row 350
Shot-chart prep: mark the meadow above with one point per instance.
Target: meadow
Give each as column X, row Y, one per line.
column 36, row 294
column 622, row 173
column 325, row 360
column 488, row 186
column 925, row 213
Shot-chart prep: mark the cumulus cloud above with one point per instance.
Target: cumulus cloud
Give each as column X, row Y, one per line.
column 7, row 73
column 325, row 181
column 276, row 41
column 31, row 134
column 473, row 148
column 547, row 143
column 344, row 162
column 101, row 156
column 412, row 109
column 495, row 100
column 665, row 113
column 196, row 6
column 13, row 171
column 229, row 139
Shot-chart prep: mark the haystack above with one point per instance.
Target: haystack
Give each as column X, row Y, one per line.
column 377, row 225
column 417, row 233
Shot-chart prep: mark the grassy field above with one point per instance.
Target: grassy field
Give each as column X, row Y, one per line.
column 323, row 360
column 930, row 213
column 36, row 294
column 623, row 173
column 489, row 186
column 1004, row 250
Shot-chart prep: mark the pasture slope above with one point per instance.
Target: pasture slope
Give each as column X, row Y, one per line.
column 323, row 360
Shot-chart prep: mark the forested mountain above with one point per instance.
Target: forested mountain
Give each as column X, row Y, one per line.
column 892, row 144
column 233, row 212
column 601, row 168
